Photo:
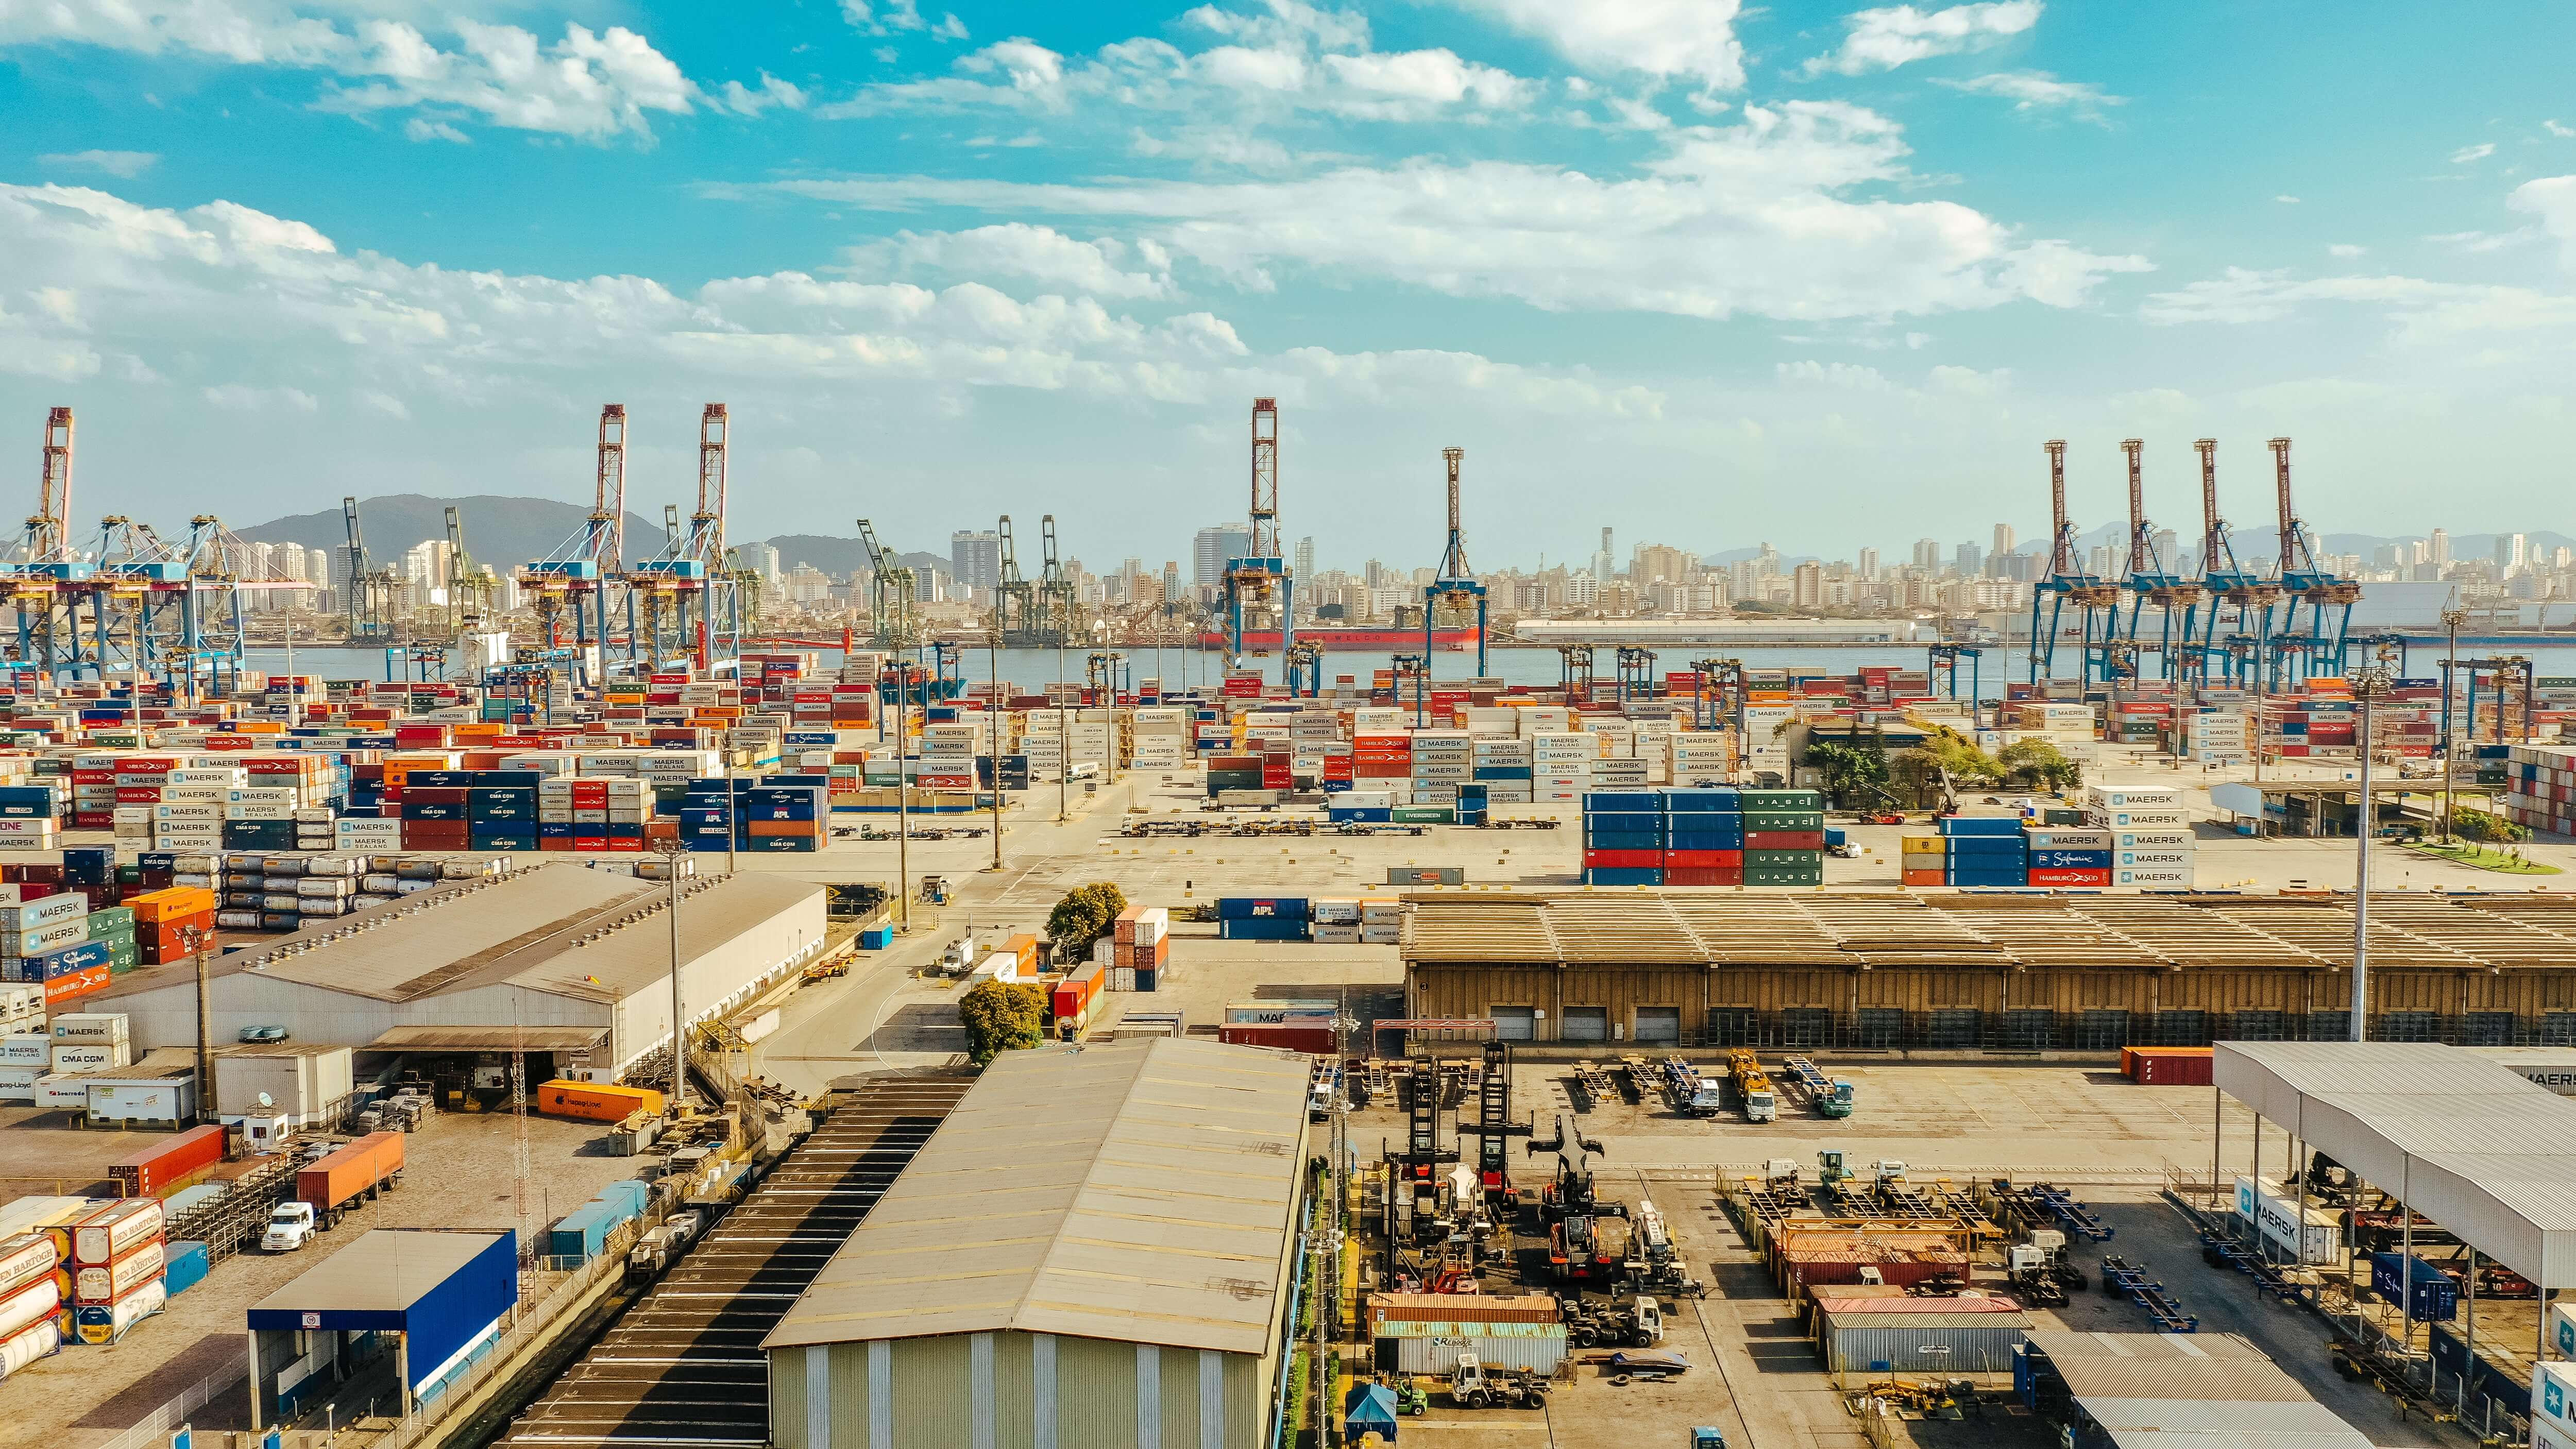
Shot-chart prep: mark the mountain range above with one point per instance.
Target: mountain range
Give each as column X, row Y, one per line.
column 507, row 532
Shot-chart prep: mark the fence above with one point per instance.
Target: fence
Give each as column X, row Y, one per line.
column 153, row 1430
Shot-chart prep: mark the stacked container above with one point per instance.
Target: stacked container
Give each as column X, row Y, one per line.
column 1242, row 918
column 1985, row 850
column 117, row 1258
column 1924, row 860
column 172, row 924
column 1560, row 766
column 2151, row 838
column 1140, row 945
column 2067, row 857
column 2540, row 788
column 1784, row 838
column 1623, row 837
column 1704, row 836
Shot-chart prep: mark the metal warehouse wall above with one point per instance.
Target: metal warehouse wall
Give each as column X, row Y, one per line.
column 2474, row 1005
column 923, row 1393
column 712, row 982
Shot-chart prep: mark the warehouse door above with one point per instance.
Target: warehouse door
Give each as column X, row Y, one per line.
column 1659, row 1025
column 1730, row 1026
column 1516, row 1023
column 2487, row 1028
column 1879, row 1027
column 1586, row 1023
column 1805, row 1027
column 2030, row 1031
column 2102, row 1029
column 2558, row 1028
column 2406, row 1026
column 2256, row 1026
column 2329, row 1025
column 1952, row 1028
column 2181, row 1028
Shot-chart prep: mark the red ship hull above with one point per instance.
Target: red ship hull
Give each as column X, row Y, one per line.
column 1348, row 640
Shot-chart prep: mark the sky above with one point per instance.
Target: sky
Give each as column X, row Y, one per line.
column 1704, row 273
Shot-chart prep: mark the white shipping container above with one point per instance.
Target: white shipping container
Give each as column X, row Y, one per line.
column 2153, row 840
column 2553, row 1398
column 2120, row 819
column 27, row 1051
column 83, row 1057
column 2153, row 879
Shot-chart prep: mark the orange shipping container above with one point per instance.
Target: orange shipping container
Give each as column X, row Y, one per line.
column 595, row 1102
column 173, row 904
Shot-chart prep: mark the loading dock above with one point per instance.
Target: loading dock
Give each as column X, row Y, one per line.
column 429, row 1301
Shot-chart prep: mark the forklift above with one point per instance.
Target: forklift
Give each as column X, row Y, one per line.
column 1571, row 1194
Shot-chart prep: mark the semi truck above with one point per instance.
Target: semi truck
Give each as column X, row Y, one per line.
column 1688, row 1092
column 355, row 1173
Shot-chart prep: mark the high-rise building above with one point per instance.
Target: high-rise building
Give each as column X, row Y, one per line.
column 1972, row 560
column 1171, row 580
column 1927, row 555
column 1213, row 546
column 975, row 557
column 1868, row 569
column 2512, row 551
column 2168, row 545
column 760, row 558
column 1306, row 557
column 1604, row 567
column 2437, row 549
column 2003, row 539
column 1807, row 585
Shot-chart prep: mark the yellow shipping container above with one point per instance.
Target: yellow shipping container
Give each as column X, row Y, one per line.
column 595, row 1102
column 1925, row 844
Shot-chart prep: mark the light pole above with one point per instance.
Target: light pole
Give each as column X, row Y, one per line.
column 993, row 707
column 2453, row 616
column 2369, row 683
column 1063, row 738
column 903, row 797
column 679, row 1018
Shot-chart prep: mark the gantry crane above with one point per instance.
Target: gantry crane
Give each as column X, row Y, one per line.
column 1455, row 586
column 469, row 584
column 1059, row 613
column 1020, row 604
column 369, row 591
column 574, row 579
column 1718, row 692
column 2231, row 647
column 42, row 570
column 2317, row 644
column 2151, row 581
column 693, row 594
column 1258, row 582
column 893, row 615
column 2068, row 582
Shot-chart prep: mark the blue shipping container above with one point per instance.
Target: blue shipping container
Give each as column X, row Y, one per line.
column 1623, row 877
column 876, row 938
column 1236, row 908
column 579, row 1234
column 1262, row 928
column 1616, row 801
column 185, row 1267
column 2070, row 860
column 2434, row 1298
column 1957, row 826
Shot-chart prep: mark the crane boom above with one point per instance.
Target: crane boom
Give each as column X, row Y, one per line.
column 2141, row 547
column 2061, row 546
column 707, row 525
column 1453, row 562
column 608, row 506
column 2212, row 527
column 2281, row 485
column 1265, row 478
column 47, row 533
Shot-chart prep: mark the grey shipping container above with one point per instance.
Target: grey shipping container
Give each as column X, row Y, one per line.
column 1540, row 1348
column 1922, row 1342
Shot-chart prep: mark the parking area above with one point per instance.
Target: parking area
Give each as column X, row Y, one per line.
column 460, row 1173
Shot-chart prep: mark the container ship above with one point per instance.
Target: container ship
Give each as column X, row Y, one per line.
column 1330, row 638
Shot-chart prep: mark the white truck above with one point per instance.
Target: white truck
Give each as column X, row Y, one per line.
column 290, row 1227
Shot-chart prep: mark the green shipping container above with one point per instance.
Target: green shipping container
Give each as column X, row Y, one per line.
column 1422, row 815
column 1784, row 860
column 1776, row 877
column 111, row 920
column 1753, row 800
column 1784, row 820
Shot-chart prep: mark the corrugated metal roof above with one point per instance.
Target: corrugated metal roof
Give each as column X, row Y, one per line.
column 487, row 1039
column 1142, row 1192
column 425, row 943
column 2190, row 1391
column 2472, row 1143
column 386, row 1270
column 631, row 950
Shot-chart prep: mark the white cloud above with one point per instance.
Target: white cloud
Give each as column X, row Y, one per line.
column 1886, row 38
column 1418, row 378
column 885, row 18
column 1036, row 253
column 2035, row 90
column 1290, row 58
column 128, row 164
column 2345, row 249
column 1967, row 381
column 771, row 93
column 385, row 403
column 420, row 128
column 2481, row 242
column 2287, row 200
column 2478, row 152
column 1831, row 374
column 2562, row 132
column 1664, row 40
column 948, row 28
column 1751, row 217
column 2553, row 200
column 237, row 397
column 593, row 85
column 2423, row 310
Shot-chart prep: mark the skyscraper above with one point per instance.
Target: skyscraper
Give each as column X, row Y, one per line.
column 1972, row 561
column 2512, row 551
column 975, row 557
column 1213, row 547
column 2003, row 539
column 1869, row 565
column 1604, row 567
column 2438, row 550
column 1306, row 557
column 1927, row 555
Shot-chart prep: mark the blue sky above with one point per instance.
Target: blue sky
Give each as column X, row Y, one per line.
column 1820, row 275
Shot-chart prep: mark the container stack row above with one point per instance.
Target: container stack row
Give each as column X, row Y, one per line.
column 1703, row 836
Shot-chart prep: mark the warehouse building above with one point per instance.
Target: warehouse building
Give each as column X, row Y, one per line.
column 1892, row 970
column 1094, row 1249
column 432, row 1300
column 565, row 963
column 2144, row 1390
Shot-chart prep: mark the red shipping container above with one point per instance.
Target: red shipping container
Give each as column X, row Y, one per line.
column 2168, row 1066
column 158, row 1169
column 1623, row 859
column 1784, row 840
column 1704, row 876
column 2063, row 879
column 1703, row 859
column 1315, row 1040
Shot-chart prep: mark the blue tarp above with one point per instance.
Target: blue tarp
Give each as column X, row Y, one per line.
column 1371, row 1410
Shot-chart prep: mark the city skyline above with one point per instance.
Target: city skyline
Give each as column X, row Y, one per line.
column 980, row 260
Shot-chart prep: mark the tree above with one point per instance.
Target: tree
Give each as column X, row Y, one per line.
column 1082, row 917
column 1848, row 770
column 1944, row 749
column 2039, row 763
column 1001, row 1016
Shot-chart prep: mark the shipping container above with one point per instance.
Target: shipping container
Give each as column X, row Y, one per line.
column 363, row 1168
column 112, row 1232
column 108, row 1282
column 154, row 1171
column 596, row 1102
